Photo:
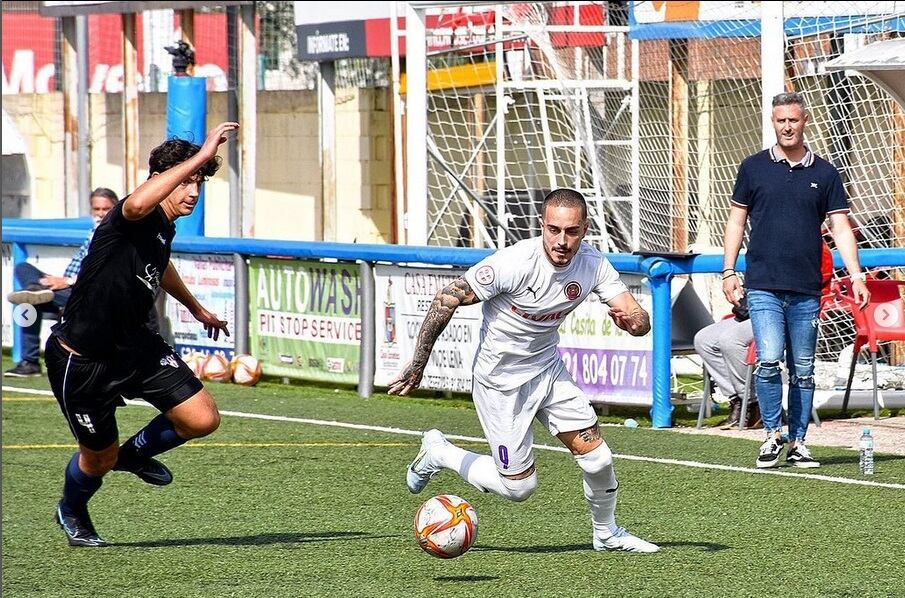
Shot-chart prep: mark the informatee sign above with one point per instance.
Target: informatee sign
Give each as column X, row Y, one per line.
column 305, row 318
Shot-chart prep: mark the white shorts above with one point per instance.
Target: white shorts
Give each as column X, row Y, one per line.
column 506, row 416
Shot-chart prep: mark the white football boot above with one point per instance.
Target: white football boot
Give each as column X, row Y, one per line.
column 424, row 467
column 622, row 540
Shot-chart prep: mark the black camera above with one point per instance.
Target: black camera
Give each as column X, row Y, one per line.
column 740, row 311
column 183, row 57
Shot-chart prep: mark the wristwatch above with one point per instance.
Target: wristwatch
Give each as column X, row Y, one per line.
column 859, row 276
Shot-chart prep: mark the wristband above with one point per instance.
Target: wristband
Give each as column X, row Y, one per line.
column 729, row 276
column 728, row 270
column 859, row 276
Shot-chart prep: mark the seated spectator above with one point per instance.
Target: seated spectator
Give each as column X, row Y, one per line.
column 724, row 347
column 49, row 293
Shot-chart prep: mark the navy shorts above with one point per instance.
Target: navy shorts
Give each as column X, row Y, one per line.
column 89, row 391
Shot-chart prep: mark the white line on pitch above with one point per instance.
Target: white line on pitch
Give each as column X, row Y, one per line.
column 544, row 447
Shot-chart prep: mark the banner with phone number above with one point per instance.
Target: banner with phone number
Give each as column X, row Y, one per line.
column 607, row 363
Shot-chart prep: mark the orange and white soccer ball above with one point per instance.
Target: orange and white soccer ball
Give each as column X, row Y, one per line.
column 216, row 369
column 246, row 370
column 446, row 526
column 195, row 361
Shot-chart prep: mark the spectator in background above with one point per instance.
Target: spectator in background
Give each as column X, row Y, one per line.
column 49, row 293
column 724, row 348
column 786, row 192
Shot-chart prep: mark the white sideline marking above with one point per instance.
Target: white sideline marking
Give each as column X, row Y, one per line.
column 544, row 447
column 28, row 391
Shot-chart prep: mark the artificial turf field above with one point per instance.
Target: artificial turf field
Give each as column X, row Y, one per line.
column 298, row 508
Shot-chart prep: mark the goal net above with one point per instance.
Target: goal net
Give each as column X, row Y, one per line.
column 647, row 108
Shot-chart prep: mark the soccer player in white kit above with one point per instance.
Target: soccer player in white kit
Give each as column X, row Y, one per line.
column 527, row 290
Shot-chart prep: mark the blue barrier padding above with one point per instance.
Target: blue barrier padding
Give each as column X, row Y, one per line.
column 659, row 270
column 19, row 255
column 187, row 119
column 50, row 223
column 19, row 231
column 38, row 236
column 660, row 278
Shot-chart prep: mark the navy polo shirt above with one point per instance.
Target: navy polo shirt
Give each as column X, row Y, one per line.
column 787, row 206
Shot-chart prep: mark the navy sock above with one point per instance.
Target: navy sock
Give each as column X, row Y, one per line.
column 79, row 487
column 155, row 438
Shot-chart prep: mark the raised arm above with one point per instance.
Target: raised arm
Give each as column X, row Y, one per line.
column 145, row 198
column 172, row 284
column 628, row 314
column 441, row 311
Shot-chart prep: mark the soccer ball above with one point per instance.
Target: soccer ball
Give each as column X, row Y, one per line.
column 216, row 369
column 246, row 370
column 195, row 361
column 446, row 526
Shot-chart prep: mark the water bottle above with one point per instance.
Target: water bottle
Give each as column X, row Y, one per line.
column 866, row 453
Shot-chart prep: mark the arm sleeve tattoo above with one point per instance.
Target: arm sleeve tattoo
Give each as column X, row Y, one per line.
column 445, row 303
column 643, row 319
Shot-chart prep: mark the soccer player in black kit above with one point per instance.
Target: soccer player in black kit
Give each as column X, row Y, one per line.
column 102, row 350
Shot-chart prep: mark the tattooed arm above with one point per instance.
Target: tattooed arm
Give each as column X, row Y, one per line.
column 445, row 303
column 629, row 315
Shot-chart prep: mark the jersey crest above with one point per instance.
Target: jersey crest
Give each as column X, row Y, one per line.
column 573, row 290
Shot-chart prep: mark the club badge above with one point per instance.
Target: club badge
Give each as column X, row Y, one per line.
column 573, row 290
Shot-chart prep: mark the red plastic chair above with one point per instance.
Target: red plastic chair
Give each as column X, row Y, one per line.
column 750, row 360
column 882, row 320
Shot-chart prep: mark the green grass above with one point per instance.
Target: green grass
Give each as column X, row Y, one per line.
column 269, row 508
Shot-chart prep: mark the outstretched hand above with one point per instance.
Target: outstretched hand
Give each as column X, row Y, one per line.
column 212, row 324
column 626, row 321
column 217, row 136
column 407, row 380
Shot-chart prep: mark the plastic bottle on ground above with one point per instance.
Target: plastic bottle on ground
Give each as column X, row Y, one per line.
column 866, row 453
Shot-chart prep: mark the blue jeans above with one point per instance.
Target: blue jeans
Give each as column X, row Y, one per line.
column 784, row 322
column 28, row 277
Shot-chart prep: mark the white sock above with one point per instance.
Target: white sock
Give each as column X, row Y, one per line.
column 478, row 470
column 600, row 488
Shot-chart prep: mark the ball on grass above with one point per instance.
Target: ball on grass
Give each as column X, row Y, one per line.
column 246, row 370
column 216, row 369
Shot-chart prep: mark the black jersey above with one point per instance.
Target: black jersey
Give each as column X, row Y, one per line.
column 106, row 315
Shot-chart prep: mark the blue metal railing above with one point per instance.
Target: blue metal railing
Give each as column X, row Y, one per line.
column 658, row 269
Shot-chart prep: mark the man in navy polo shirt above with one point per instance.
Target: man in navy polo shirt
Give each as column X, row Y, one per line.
column 787, row 192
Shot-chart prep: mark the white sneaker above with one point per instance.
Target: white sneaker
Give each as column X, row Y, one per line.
column 770, row 451
column 424, row 467
column 622, row 540
column 800, row 456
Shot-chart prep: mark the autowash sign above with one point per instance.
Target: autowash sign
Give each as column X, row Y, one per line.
column 305, row 319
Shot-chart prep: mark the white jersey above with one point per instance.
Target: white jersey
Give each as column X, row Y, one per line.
column 526, row 298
